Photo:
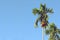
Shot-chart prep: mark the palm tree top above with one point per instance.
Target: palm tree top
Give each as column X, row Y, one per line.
column 42, row 9
column 42, row 14
column 53, row 32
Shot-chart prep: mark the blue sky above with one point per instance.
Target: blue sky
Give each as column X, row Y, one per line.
column 17, row 20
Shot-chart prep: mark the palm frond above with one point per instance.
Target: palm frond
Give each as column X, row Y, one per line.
column 58, row 31
column 36, row 22
column 52, row 25
column 35, row 26
column 50, row 10
column 47, row 32
column 35, row 11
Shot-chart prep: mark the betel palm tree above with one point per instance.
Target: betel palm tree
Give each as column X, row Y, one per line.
column 42, row 16
column 42, row 13
column 53, row 32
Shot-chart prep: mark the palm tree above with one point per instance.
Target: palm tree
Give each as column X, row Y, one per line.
column 53, row 32
column 42, row 17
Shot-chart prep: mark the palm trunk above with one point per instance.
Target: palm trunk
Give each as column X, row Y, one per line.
column 42, row 33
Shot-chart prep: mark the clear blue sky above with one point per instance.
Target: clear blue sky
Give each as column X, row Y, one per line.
column 17, row 20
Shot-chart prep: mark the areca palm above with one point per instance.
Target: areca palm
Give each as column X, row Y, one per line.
column 42, row 16
column 53, row 32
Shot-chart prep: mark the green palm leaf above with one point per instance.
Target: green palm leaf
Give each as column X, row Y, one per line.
column 58, row 31
column 35, row 11
column 47, row 32
column 50, row 10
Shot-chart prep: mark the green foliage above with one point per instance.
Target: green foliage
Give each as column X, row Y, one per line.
column 53, row 31
column 58, row 30
column 50, row 10
column 42, row 12
column 47, row 32
column 35, row 25
column 52, row 25
column 42, row 8
column 35, row 11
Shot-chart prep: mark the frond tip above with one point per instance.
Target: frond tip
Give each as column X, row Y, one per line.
column 35, row 26
column 50, row 10
column 35, row 10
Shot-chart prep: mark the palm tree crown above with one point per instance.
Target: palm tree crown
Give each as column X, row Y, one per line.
column 42, row 15
column 53, row 31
